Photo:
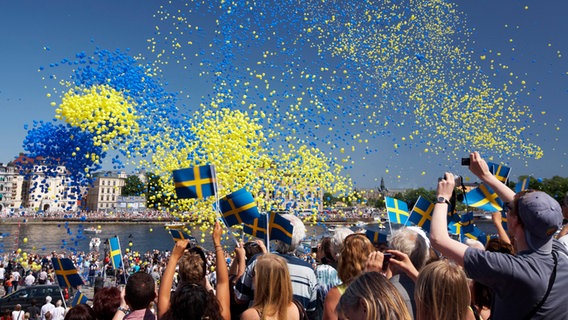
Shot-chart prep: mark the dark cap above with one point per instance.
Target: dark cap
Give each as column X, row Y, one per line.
column 542, row 217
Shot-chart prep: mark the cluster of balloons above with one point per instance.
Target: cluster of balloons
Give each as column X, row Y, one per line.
column 292, row 91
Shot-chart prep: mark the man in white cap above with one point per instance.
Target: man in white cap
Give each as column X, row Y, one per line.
column 47, row 307
column 529, row 285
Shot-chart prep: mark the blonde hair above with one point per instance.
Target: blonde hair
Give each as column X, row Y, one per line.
column 442, row 292
column 380, row 298
column 272, row 286
column 353, row 257
column 192, row 267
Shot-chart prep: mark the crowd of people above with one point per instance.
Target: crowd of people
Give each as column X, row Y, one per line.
column 522, row 274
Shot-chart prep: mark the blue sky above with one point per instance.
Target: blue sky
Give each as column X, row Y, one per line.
column 529, row 37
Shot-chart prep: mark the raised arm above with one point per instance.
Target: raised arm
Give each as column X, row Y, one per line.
column 439, row 236
column 168, row 277
column 498, row 222
column 223, row 293
column 479, row 167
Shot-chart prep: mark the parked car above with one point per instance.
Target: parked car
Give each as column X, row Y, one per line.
column 25, row 295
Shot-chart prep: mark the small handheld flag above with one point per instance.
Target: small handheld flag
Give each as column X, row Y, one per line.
column 179, row 234
column 239, row 207
column 67, row 275
column 195, row 183
column 421, row 214
column 499, row 171
column 483, row 197
column 79, row 298
column 376, row 236
column 397, row 210
column 522, row 185
column 280, row 228
column 257, row 228
column 115, row 253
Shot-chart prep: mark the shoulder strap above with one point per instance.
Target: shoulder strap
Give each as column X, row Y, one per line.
column 303, row 314
column 550, row 284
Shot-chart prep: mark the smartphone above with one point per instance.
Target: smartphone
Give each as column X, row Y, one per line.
column 386, row 259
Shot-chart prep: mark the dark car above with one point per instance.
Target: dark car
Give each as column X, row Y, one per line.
column 25, row 295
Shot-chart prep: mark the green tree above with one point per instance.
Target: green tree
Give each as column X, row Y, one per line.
column 133, row 186
column 155, row 197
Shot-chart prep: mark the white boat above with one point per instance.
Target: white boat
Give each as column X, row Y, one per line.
column 95, row 243
column 92, row 230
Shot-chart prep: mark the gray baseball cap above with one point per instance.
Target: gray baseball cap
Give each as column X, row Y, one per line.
column 542, row 217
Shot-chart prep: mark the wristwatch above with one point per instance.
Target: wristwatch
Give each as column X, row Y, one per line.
column 441, row 199
column 125, row 310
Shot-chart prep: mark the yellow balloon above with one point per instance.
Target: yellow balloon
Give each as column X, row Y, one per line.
column 25, row 240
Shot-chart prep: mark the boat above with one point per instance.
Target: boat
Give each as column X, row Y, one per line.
column 93, row 230
column 95, row 243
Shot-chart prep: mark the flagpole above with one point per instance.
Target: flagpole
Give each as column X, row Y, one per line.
column 121, row 259
column 218, row 206
column 268, row 230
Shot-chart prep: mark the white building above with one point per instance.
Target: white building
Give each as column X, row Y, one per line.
column 10, row 188
column 105, row 192
column 49, row 189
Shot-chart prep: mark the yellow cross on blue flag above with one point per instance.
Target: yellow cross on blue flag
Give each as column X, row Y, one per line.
column 195, row 183
column 179, row 234
column 484, row 198
column 239, row 207
column 522, row 185
column 257, row 228
column 500, row 171
column 376, row 236
column 79, row 298
column 397, row 210
column 115, row 253
column 67, row 275
column 421, row 214
column 280, row 228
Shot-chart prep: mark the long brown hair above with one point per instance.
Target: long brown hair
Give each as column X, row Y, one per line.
column 273, row 287
column 356, row 250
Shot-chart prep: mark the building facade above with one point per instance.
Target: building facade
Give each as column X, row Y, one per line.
column 105, row 192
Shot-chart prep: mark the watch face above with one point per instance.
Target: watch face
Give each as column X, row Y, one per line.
column 441, row 199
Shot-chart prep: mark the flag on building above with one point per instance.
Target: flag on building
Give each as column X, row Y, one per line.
column 421, row 214
column 239, row 207
column 197, row 182
column 522, row 185
column 397, row 210
column 499, row 171
column 115, row 253
column 484, row 198
column 67, row 275
column 79, row 298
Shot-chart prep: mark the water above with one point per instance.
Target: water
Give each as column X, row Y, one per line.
column 46, row 237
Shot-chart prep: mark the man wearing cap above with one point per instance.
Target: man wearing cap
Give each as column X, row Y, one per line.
column 530, row 285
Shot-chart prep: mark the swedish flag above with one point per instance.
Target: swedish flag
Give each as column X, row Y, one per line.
column 522, row 185
column 79, row 298
column 483, row 197
column 179, row 234
column 115, row 253
column 67, row 275
column 478, row 235
column 197, row 182
column 257, row 228
column 376, row 236
column 239, row 207
column 421, row 214
column 499, row 171
column 397, row 210
column 279, row 228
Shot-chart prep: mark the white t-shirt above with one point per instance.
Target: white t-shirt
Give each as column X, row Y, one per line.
column 58, row 313
column 18, row 315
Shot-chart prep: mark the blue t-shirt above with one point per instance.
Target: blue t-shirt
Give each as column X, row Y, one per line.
column 520, row 282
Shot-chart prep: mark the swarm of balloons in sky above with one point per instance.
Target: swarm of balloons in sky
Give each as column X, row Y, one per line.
column 273, row 84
